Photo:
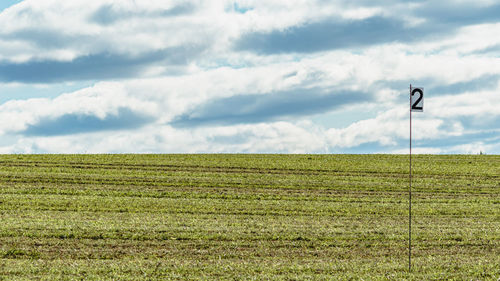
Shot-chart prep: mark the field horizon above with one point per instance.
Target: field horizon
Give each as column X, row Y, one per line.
column 248, row 217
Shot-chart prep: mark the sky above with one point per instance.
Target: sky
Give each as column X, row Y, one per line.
column 241, row 76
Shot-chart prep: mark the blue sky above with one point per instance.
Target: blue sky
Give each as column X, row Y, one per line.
column 241, row 76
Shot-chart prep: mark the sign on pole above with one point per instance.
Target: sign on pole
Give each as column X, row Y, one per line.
column 417, row 105
column 417, row 99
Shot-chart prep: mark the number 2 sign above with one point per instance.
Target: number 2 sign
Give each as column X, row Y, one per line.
column 417, row 99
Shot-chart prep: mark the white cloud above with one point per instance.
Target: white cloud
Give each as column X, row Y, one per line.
column 101, row 100
column 478, row 104
column 256, row 138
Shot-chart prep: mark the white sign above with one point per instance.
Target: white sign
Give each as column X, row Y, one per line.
column 417, row 99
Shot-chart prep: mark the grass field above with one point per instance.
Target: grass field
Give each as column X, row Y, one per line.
column 248, row 217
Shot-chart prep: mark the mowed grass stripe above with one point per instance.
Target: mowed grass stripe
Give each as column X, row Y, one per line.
column 277, row 206
column 212, row 180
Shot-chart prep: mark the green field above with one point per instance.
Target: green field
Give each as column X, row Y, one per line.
column 248, row 217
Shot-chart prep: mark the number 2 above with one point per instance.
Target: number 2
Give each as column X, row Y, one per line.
column 421, row 95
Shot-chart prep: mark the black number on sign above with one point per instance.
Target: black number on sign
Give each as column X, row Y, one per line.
column 421, row 95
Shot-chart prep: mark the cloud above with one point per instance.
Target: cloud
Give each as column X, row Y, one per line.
column 75, row 123
column 458, row 13
column 491, row 50
column 93, row 67
column 109, row 14
column 104, row 106
column 325, row 35
column 484, row 82
column 485, row 137
column 44, row 38
column 282, row 137
column 255, row 108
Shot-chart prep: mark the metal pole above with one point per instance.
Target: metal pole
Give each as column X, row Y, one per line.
column 409, row 208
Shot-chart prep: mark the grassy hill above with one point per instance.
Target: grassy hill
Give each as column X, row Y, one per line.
column 248, row 217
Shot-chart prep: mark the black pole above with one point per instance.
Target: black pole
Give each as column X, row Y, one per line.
column 409, row 205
